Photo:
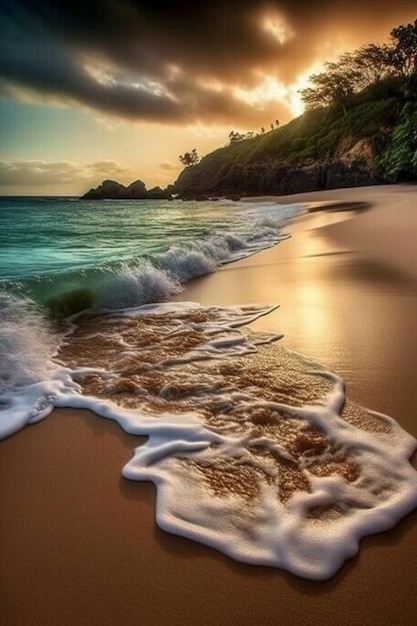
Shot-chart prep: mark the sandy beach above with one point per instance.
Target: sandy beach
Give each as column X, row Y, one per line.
column 78, row 543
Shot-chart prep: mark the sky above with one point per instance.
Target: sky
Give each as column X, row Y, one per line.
column 119, row 89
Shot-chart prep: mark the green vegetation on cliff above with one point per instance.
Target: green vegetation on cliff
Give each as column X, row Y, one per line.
column 360, row 128
column 323, row 148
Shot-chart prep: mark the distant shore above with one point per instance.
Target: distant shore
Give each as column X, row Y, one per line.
column 78, row 543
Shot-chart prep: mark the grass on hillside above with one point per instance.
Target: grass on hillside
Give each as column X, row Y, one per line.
column 316, row 134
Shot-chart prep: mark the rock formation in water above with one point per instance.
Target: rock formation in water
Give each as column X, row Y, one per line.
column 112, row 190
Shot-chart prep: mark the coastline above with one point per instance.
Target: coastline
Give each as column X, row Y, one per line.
column 78, row 542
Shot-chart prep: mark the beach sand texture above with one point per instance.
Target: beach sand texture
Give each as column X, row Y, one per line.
column 79, row 543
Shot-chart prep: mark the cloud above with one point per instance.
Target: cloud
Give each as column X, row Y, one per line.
column 165, row 165
column 32, row 173
column 179, row 64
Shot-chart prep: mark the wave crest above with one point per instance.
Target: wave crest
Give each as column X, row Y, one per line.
column 132, row 286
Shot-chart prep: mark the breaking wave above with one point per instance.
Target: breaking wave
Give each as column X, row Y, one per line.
column 151, row 277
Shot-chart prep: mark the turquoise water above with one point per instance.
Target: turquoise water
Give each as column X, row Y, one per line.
column 60, row 256
column 123, row 253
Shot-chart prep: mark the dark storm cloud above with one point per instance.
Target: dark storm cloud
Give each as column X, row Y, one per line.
column 175, row 64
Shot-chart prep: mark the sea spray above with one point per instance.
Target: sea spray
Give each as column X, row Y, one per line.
column 29, row 378
column 26, row 343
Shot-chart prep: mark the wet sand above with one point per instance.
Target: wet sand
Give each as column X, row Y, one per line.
column 78, row 543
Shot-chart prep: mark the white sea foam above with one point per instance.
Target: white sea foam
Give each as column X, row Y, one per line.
column 29, row 379
column 270, row 532
column 184, row 449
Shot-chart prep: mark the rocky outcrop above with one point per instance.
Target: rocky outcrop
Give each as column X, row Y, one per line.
column 279, row 179
column 136, row 190
column 111, row 190
column 156, row 193
column 107, row 189
column 350, row 166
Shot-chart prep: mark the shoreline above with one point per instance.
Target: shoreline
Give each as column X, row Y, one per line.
column 79, row 542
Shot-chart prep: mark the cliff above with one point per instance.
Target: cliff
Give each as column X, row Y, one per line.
column 323, row 149
column 280, row 177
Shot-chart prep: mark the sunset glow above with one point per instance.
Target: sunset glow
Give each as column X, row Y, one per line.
column 270, row 89
column 278, row 28
column 147, row 86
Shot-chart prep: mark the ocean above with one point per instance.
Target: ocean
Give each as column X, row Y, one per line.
column 113, row 254
column 255, row 450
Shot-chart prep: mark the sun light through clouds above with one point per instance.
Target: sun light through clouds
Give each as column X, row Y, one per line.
column 302, row 81
column 276, row 26
column 110, row 76
column 101, row 74
column 272, row 89
column 269, row 90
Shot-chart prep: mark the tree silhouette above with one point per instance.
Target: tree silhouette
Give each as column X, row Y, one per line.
column 235, row 136
column 189, row 158
column 334, row 86
column 368, row 65
column 371, row 63
column 404, row 49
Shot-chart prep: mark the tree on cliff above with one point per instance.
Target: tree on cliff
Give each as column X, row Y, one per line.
column 190, row 158
column 334, row 86
column 368, row 65
column 234, row 135
column 361, row 68
column 404, row 49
